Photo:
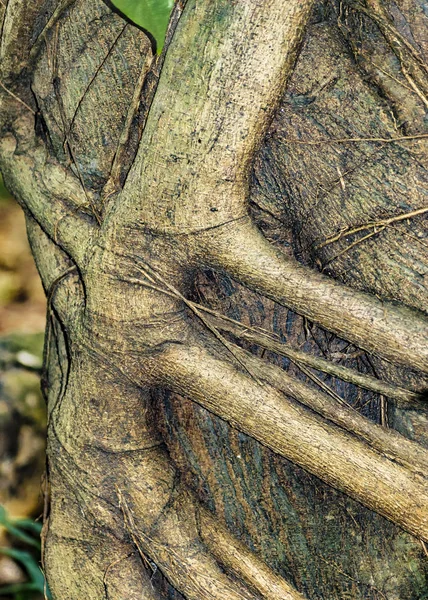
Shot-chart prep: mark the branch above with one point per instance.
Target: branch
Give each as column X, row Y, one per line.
column 335, row 456
column 396, row 333
column 223, row 75
column 49, row 193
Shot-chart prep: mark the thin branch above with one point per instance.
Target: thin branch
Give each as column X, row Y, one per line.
column 93, row 78
column 68, row 145
column 17, row 98
column 390, row 75
column 409, row 235
column 387, row 441
column 173, row 544
column 89, row 200
column 113, row 182
column 372, row 224
column 419, row 136
column 321, row 384
column 131, row 527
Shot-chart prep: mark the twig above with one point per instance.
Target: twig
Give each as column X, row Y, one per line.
column 381, row 223
column 82, row 183
column 91, row 81
column 384, row 411
column 409, row 235
column 390, row 75
column 195, row 309
column 320, row 383
column 356, row 243
column 61, row 7
column 418, row 136
column 110, row 566
column 17, row 98
column 114, row 175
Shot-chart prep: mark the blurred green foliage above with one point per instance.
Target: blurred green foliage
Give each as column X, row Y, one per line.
column 25, row 535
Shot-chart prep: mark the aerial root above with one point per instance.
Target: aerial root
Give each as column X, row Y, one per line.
column 264, row 339
column 216, row 322
column 193, row 550
column 341, row 459
column 126, row 579
column 388, row 442
column 396, row 333
column 238, row 558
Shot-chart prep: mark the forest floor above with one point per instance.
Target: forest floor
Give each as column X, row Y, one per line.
column 22, row 408
column 22, row 300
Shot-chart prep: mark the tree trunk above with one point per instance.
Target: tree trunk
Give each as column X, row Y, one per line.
column 231, row 239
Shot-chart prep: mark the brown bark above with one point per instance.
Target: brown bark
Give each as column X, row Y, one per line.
column 127, row 210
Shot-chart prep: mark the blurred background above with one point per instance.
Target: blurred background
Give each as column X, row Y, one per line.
column 22, row 410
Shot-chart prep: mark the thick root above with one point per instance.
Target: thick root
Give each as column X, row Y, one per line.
column 335, row 456
column 396, row 333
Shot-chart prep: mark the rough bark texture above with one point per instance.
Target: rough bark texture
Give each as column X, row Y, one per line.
column 242, row 168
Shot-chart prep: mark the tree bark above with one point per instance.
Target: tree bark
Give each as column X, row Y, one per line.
column 176, row 205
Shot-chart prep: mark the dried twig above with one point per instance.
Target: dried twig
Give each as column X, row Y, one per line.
column 381, row 223
column 7, row 90
column 402, row 138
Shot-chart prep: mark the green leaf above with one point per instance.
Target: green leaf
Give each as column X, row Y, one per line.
column 18, row 589
column 28, row 524
column 151, row 15
column 15, row 526
column 21, row 535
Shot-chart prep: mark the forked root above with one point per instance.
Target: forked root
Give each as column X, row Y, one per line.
column 235, row 556
column 188, row 545
column 396, row 333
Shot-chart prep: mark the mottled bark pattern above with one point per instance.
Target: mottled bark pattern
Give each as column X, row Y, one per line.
column 132, row 213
